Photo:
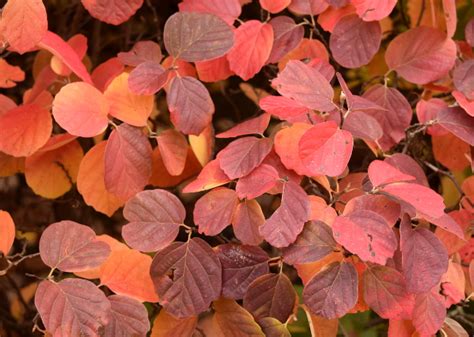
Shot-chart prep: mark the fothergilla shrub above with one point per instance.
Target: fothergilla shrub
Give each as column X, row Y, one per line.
column 236, row 168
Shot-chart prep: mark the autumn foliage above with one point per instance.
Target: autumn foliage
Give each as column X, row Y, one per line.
column 236, row 168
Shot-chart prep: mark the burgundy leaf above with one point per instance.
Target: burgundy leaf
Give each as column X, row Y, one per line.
column 363, row 126
column 128, row 318
column 148, row 78
column 287, row 36
column 258, row 182
column 154, row 218
column 248, row 217
column 142, row 51
column 458, row 122
column 463, row 78
column 241, row 265
column 429, row 313
column 383, row 206
column 308, row 7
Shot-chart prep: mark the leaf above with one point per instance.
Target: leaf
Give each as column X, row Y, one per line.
column 363, row 126
column 408, row 165
column 287, row 36
column 325, row 149
column 210, row 176
column 25, row 129
column 125, row 105
column 321, row 327
column 429, row 313
column 252, row 48
column 287, row 146
column 229, row 316
column 283, row 227
column 228, row 10
column 382, row 173
column 197, row 36
column 373, row 10
column 333, row 291
column 256, row 125
column 273, row 328
column 174, row 150
column 385, row 292
column 70, row 247
column 308, row 7
column 72, row 307
column 258, row 182
column 247, row 219
column 421, row 55
column 128, row 318
column 91, row 183
column 355, row 42
column 113, row 12
column 78, row 43
column 424, row 258
column 7, row 232
column 273, row 6
column 142, row 52
column 469, row 32
column 190, row 105
column 79, row 117
column 456, row 120
column 379, row 204
column 10, row 75
column 241, row 265
column 187, row 277
column 282, row 107
column 271, row 295
column 147, row 78
column 243, row 155
column 24, row 24
column 214, row 70
column 314, row 243
column 154, row 218
column 213, row 212
column 105, row 72
column 126, row 272
column 64, row 52
column 166, row 325
column 462, row 78
column 305, row 85
column 127, row 161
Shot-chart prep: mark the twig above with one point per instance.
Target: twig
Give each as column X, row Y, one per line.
column 447, row 174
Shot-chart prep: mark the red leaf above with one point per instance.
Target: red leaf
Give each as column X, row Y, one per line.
column 214, row 70
column 408, row 165
column 424, row 258
column 332, row 292
column 385, row 292
column 243, row 155
column 354, row 42
column 248, row 217
column 7, row 232
column 72, row 307
column 258, row 182
column 427, row 111
column 283, row 227
column 362, row 125
column 305, row 85
column 24, row 24
column 78, row 43
column 382, row 173
column 421, row 55
column 187, row 277
column 274, row 6
column 210, row 176
column 308, row 7
column 458, row 122
column 429, row 313
column 105, row 72
column 190, row 105
column 463, row 80
column 25, row 129
column 271, row 295
column 197, row 36
column 282, row 107
column 373, row 10
column 154, row 219
column 213, row 212
column 253, row 45
column 287, row 36
column 314, row 243
column 287, row 147
column 256, row 125
column 127, row 161
column 174, row 150
column 128, row 318
column 79, row 117
column 64, row 52
column 379, row 204
column 228, row 10
column 71, row 247
column 113, row 12
column 142, row 52
column 241, row 265
column 9, row 74
column 325, row 149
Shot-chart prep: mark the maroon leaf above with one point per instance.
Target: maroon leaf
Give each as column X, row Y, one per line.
column 243, row 155
column 308, row 7
column 197, row 36
column 72, row 247
column 305, row 85
column 142, row 52
column 248, row 217
column 283, row 227
column 314, row 243
column 463, row 78
column 72, row 307
column 424, row 258
column 458, row 122
column 287, row 36
column 363, row 126
column 332, row 292
column 213, row 212
column 154, row 219
column 354, row 42
column 385, row 292
column 366, row 234
column 259, row 181
column 256, row 125
column 429, row 313
column 187, row 277
column 271, row 295
column 241, row 265
column 127, row 161
column 190, row 105
column 148, row 78
column 408, row 165
column 114, row 12
column 128, row 318
column 379, row 204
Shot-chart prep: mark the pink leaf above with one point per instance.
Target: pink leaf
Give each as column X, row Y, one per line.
column 373, row 10
column 427, row 112
column 287, row 36
column 408, row 165
column 228, row 10
column 362, row 125
column 258, row 182
column 174, row 150
column 308, row 7
column 382, row 173
column 274, row 6
column 282, row 107
column 210, row 176
column 458, row 122
column 114, row 12
column 429, row 313
column 248, row 217
column 148, row 78
column 142, row 51
column 256, row 125
column 463, row 78
column 128, row 318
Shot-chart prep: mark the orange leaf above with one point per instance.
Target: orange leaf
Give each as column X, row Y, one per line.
column 9, row 75
column 166, row 325
column 7, row 232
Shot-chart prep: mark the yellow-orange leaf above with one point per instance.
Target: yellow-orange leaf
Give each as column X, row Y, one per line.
column 10, row 165
column 7, row 232
column 166, row 325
